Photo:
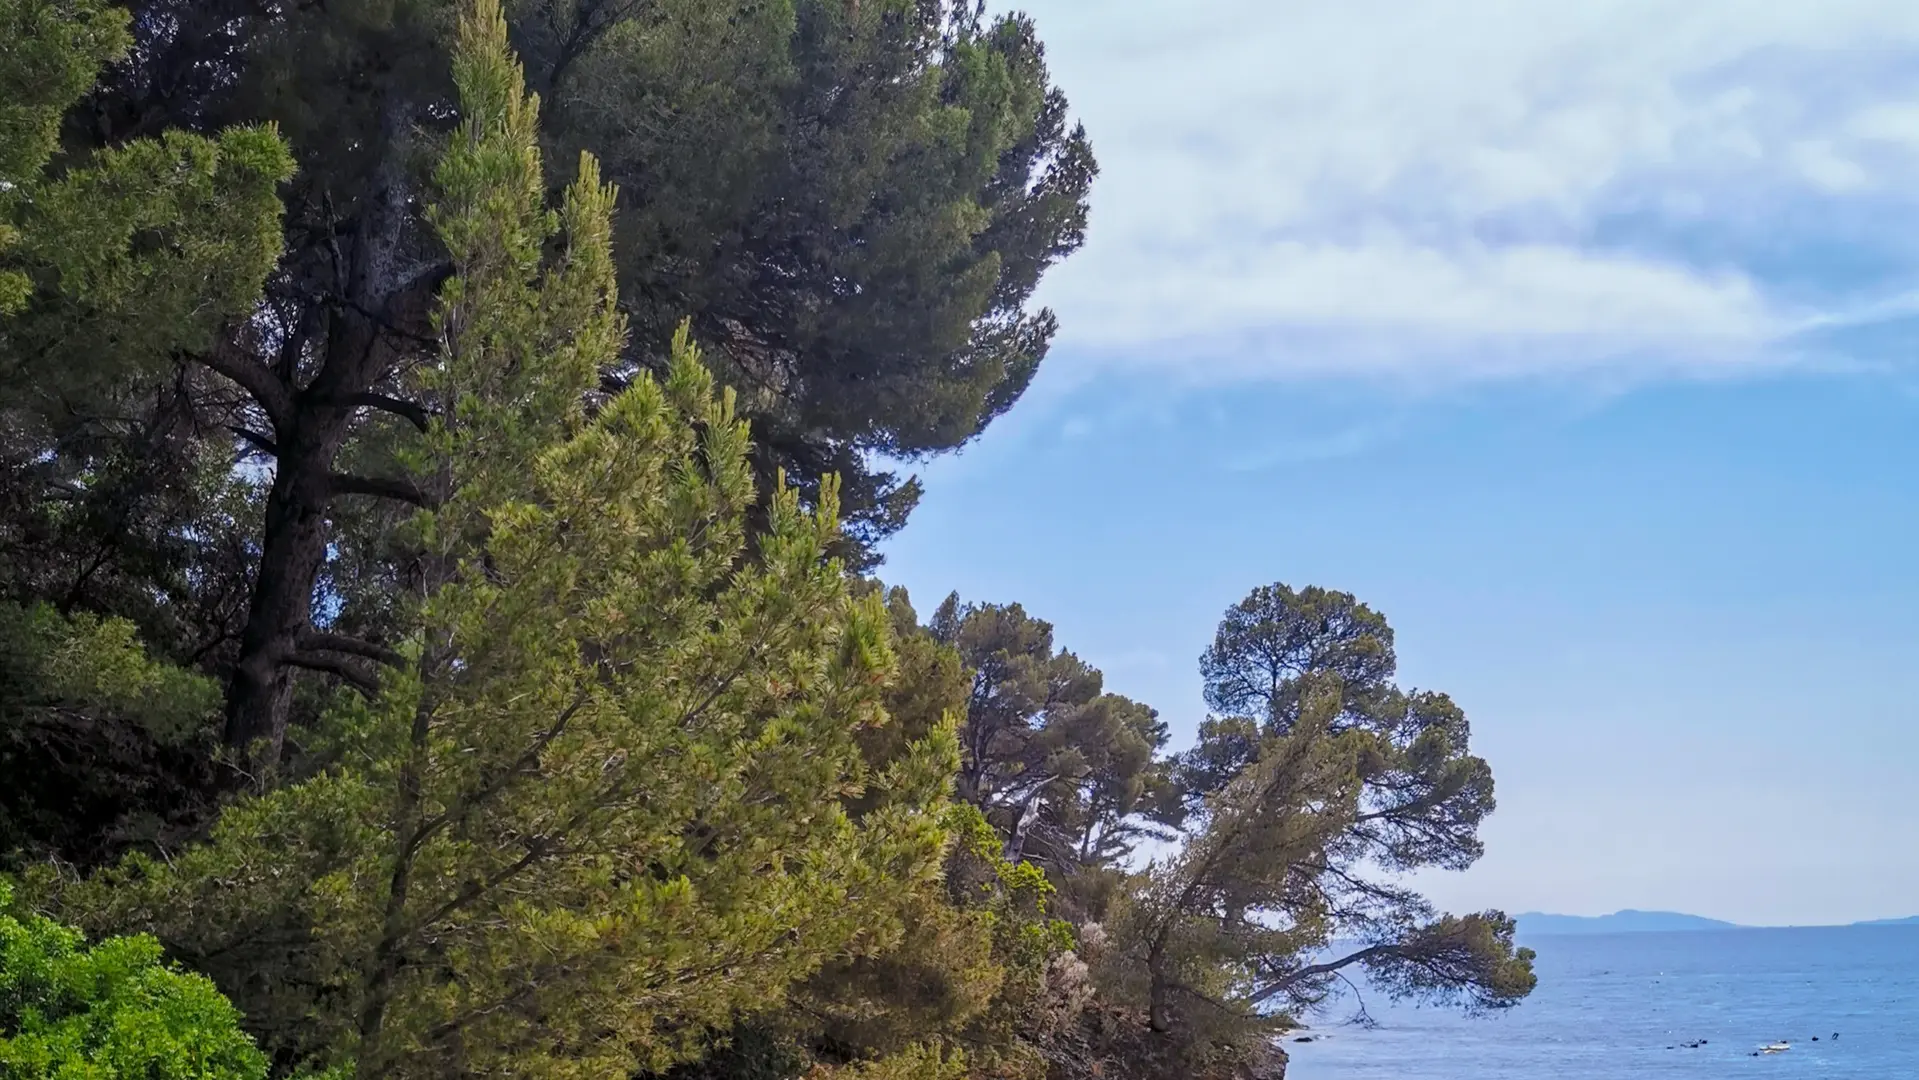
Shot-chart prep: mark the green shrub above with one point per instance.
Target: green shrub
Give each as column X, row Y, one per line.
column 109, row 1011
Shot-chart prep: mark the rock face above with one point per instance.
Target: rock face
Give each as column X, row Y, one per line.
column 1266, row 1063
column 1109, row 1043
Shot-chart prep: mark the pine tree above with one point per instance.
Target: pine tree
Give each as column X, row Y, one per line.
column 141, row 249
column 853, row 202
column 597, row 805
column 112, row 263
column 862, row 242
column 1065, row 770
column 1301, row 814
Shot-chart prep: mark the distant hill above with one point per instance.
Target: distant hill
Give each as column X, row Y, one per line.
column 1619, row 922
column 1912, row 920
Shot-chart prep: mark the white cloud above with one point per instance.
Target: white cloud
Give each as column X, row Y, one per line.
column 1826, row 168
column 1389, row 285
column 1421, row 185
column 1888, row 122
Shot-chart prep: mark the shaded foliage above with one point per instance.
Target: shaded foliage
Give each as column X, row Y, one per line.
column 1069, row 772
column 580, row 819
column 853, row 202
column 101, row 745
column 893, row 179
column 400, row 620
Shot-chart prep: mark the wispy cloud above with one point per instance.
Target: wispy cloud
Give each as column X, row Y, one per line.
column 1309, row 450
column 1482, row 188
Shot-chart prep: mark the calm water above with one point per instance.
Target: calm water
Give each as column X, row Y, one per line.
column 1608, row 1007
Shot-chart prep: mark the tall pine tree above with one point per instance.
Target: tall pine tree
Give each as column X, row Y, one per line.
column 597, row 805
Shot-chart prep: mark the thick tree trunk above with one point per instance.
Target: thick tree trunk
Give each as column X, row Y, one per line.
column 292, row 552
column 311, row 425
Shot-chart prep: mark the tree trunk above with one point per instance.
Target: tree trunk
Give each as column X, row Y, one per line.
column 313, row 424
column 1159, row 1007
column 292, row 551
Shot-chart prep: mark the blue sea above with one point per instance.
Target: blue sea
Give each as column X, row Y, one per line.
column 1618, row 1006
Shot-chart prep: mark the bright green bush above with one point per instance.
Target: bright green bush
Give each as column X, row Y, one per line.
column 111, row 1011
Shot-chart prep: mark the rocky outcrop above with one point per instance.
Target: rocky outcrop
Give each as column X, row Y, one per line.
column 1113, row 1043
column 1265, row 1062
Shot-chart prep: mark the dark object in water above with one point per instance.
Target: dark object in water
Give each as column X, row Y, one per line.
column 1304, row 1038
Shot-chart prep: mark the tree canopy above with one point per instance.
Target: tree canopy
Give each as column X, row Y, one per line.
column 581, row 816
column 1275, row 873
column 1070, row 772
column 889, row 183
column 853, row 203
column 445, row 443
column 1324, row 785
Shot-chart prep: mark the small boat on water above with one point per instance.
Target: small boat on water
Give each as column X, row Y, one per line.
column 1775, row 1048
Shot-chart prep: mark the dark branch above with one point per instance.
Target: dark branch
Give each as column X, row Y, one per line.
column 349, row 672
column 260, row 442
column 317, row 641
column 591, row 20
column 1313, row 971
column 379, row 487
column 269, row 390
column 407, row 410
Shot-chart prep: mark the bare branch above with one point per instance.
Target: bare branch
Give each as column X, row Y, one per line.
column 380, row 487
column 318, row 641
column 269, row 390
column 259, row 442
column 351, row 673
column 406, row 410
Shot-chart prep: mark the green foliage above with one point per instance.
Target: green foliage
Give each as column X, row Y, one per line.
column 854, row 204
column 50, row 661
column 49, row 54
column 941, row 976
column 111, row 263
column 91, row 728
column 1423, row 793
column 921, row 1061
column 615, row 769
column 751, row 1051
column 524, row 340
column 70, row 1011
column 1297, row 806
column 599, row 809
column 973, row 968
column 854, row 201
column 1068, row 773
column 147, row 247
column 154, row 246
column 1269, row 641
column 930, row 686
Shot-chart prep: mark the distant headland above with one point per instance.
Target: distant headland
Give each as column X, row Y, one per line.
column 1619, row 922
column 1533, row 923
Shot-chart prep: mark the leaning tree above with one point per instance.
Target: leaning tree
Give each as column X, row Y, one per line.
column 1308, row 808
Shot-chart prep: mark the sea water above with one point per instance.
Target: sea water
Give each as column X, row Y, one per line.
column 1618, row 1006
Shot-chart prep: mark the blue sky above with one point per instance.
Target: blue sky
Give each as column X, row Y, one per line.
column 1581, row 340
